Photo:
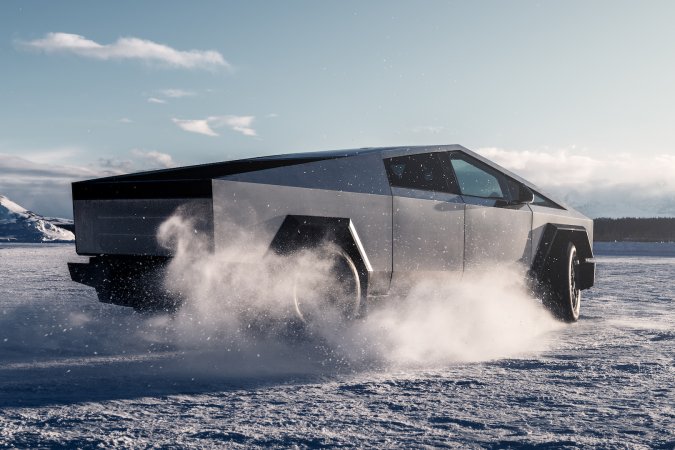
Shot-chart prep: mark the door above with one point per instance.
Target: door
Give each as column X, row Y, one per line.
column 427, row 216
column 497, row 228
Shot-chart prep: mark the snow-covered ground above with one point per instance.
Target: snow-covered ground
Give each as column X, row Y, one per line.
column 77, row 373
column 17, row 224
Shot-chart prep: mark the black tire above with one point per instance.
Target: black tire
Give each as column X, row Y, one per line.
column 336, row 293
column 562, row 296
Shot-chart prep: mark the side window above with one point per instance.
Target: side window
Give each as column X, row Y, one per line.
column 540, row 200
column 475, row 181
column 424, row 171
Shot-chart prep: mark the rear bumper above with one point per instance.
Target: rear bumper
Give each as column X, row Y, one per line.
column 127, row 281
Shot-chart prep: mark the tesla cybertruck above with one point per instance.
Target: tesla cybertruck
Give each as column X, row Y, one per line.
column 391, row 216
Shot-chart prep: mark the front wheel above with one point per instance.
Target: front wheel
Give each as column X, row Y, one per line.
column 331, row 292
column 563, row 297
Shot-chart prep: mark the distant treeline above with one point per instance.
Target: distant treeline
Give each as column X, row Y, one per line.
column 658, row 229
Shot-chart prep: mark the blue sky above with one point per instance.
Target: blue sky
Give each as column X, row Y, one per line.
column 91, row 88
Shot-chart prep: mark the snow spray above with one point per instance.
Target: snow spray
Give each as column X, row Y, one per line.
column 238, row 298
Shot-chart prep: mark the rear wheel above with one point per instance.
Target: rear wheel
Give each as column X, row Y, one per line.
column 334, row 292
column 562, row 296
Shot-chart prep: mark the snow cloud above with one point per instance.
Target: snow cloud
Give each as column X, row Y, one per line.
column 128, row 48
column 615, row 186
column 241, row 124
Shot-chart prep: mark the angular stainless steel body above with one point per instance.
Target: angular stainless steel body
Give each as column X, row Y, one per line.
column 403, row 231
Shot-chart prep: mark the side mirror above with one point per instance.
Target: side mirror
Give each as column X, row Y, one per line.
column 525, row 195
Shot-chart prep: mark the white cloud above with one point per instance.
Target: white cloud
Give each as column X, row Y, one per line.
column 128, row 48
column 125, row 120
column 176, row 93
column 195, row 126
column 241, row 124
column 156, row 100
column 154, row 158
column 620, row 185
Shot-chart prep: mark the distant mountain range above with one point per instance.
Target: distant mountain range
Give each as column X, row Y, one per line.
column 17, row 224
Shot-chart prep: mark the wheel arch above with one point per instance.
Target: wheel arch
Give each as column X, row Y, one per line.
column 299, row 232
column 553, row 238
